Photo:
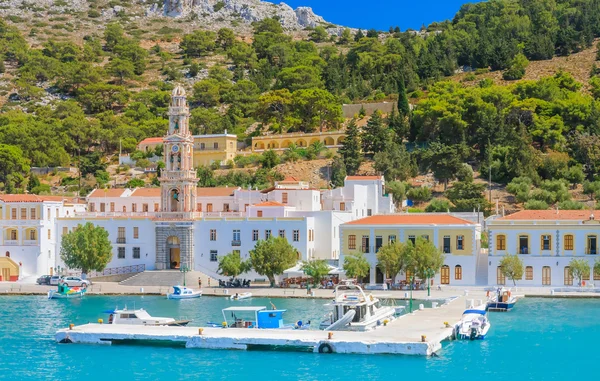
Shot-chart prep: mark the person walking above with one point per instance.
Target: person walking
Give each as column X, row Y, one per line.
column 199, row 282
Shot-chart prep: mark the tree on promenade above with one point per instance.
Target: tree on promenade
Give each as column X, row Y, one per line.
column 356, row 265
column 512, row 267
column 86, row 248
column 316, row 269
column 578, row 268
column 232, row 265
column 272, row 256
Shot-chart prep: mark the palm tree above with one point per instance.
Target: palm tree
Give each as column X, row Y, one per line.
column 292, row 153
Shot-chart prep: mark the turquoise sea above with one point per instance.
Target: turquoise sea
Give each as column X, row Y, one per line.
column 541, row 339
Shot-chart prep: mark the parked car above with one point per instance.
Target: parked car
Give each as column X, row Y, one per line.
column 44, row 279
column 75, row 281
column 54, row 280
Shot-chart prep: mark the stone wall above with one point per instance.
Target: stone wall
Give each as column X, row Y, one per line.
column 353, row 109
column 182, row 230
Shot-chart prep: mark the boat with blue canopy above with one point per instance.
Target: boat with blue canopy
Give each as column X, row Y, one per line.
column 257, row 317
column 474, row 324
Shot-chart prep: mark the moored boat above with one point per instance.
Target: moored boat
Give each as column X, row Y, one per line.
column 257, row 317
column 66, row 292
column 241, row 296
column 503, row 300
column 474, row 324
column 141, row 317
column 353, row 310
column 180, row 292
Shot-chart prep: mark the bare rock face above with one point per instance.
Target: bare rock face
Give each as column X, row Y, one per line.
column 247, row 11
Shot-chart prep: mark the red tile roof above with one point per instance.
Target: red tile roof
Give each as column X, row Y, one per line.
column 101, row 193
column 290, row 179
column 32, row 198
column 215, row 192
column 146, row 192
column 552, row 215
column 411, row 219
column 363, row 178
column 269, row 203
column 151, row 141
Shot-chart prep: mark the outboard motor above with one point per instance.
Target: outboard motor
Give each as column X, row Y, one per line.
column 473, row 334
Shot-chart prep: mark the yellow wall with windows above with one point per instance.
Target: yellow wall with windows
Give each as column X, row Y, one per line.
column 205, row 152
column 8, row 268
column 467, row 235
column 331, row 139
column 359, row 233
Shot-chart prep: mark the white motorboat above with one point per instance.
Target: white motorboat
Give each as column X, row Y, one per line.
column 184, row 293
column 353, row 310
column 241, row 296
column 503, row 300
column 474, row 324
column 141, row 317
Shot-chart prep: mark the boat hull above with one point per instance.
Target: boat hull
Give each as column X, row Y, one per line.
column 187, row 296
column 501, row 306
column 243, row 296
column 56, row 295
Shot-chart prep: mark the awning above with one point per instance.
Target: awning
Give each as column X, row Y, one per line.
column 297, row 271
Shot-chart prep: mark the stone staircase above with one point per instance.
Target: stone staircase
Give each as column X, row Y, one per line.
column 481, row 269
column 168, row 278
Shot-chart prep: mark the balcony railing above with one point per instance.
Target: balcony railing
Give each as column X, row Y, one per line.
column 236, row 242
column 524, row 250
column 365, row 249
column 591, row 250
column 121, row 240
column 30, row 242
column 11, row 242
column 446, row 249
column 115, row 270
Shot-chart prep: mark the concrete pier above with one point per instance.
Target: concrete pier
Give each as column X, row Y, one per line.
column 401, row 336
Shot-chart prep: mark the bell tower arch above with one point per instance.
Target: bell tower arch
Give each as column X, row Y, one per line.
column 178, row 185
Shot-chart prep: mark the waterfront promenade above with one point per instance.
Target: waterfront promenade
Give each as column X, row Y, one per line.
column 474, row 292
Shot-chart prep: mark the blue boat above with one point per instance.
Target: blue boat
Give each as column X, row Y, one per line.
column 502, row 301
column 256, row 317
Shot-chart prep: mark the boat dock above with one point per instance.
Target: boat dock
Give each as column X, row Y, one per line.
column 419, row 333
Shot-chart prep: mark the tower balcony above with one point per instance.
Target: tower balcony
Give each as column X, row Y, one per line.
column 178, row 175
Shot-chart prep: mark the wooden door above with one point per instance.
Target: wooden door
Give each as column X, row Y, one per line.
column 546, row 276
column 500, row 278
column 445, row 275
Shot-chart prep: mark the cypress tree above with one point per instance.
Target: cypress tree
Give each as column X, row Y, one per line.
column 376, row 135
column 350, row 150
column 403, row 107
column 338, row 172
column 358, row 35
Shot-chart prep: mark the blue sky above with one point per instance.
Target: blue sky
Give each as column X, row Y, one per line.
column 381, row 14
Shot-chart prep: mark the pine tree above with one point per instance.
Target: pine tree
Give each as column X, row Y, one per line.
column 338, row 172
column 398, row 124
column 350, row 150
column 376, row 135
column 358, row 35
column 403, row 107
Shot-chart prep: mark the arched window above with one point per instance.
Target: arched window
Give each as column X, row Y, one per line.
column 529, row 273
column 568, row 276
column 500, row 278
column 457, row 272
column 445, row 274
column 500, row 242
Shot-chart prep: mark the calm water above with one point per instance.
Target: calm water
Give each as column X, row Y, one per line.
column 541, row 339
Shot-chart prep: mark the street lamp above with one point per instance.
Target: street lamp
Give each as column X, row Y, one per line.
column 184, row 269
column 429, row 273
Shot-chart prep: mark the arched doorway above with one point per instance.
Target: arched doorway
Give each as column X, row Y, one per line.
column 174, row 200
column 445, row 275
column 173, row 251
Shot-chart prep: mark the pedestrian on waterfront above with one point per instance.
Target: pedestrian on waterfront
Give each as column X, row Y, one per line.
column 199, row 282
column 208, row 282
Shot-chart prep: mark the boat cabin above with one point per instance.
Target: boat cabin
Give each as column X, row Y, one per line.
column 178, row 290
column 136, row 317
column 253, row 317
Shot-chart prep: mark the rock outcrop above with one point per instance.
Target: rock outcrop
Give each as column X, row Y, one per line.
column 247, row 11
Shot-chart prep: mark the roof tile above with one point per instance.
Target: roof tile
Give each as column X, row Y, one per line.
column 553, row 215
column 411, row 219
column 363, row 178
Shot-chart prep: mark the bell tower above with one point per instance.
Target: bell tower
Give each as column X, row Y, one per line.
column 174, row 223
column 178, row 179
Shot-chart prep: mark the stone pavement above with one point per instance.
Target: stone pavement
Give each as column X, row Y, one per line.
column 113, row 288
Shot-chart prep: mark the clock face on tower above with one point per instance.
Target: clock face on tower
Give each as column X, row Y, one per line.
column 175, row 148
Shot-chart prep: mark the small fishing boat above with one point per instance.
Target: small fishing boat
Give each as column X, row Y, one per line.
column 474, row 324
column 141, row 317
column 503, row 300
column 256, row 317
column 241, row 296
column 180, row 292
column 66, row 292
column 353, row 310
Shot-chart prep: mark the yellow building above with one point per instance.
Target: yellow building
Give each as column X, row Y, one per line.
column 457, row 238
column 209, row 149
column 331, row 139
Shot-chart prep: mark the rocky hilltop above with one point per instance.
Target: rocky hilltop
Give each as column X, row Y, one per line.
column 247, row 11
